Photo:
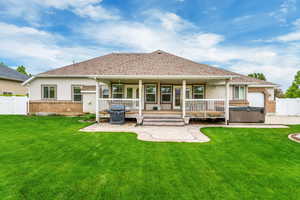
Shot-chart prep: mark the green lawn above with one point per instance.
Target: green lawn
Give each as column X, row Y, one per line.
column 47, row 158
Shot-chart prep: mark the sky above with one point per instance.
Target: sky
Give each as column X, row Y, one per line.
column 238, row 35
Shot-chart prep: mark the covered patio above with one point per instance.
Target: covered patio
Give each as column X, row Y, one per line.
column 182, row 96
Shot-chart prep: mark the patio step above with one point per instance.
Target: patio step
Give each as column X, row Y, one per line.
column 162, row 116
column 163, row 121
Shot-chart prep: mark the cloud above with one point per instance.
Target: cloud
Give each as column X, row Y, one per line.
column 153, row 29
column 40, row 50
column 292, row 36
column 160, row 31
column 33, row 10
column 284, row 10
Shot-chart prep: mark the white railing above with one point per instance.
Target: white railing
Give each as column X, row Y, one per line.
column 204, row 105
column 130, row 104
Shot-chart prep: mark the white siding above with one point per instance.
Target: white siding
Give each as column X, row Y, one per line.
column 217, row 92
column 64, row 86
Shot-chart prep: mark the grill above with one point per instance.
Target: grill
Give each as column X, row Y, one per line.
column 117, row 114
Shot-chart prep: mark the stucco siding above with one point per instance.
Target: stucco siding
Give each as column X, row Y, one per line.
column 14, row 87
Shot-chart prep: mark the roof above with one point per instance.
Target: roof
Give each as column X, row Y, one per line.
column 10, row 74
column 158, row 63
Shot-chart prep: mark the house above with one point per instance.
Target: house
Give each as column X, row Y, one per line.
column 11, row 81
column 147, row 83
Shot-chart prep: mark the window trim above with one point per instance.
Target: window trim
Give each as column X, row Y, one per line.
column 49, row 85
column 171, row 94
column 123, row 90
column 239, row 86
column 145, row 93
column 193, row 93
column 72, row 92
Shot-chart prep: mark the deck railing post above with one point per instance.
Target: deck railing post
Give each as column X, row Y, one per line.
column 140, row 98
column 97, row 102
column 183, row 97
column 227, row 102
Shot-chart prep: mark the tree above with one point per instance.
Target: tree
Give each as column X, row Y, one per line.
column 278, row 93
column 260, row 76
column 294, row 90
column 22, row 70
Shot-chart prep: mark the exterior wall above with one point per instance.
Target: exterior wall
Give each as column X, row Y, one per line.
column 64, row 87
column 218, row 92
column 12, row 86
column 63, row 103
column 270, row 104
column 58, row 107
column 239, row 103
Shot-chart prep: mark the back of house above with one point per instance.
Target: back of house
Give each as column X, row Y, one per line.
column 147, row 83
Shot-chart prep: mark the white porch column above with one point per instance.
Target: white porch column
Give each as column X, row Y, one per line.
column 140, row 97
column 183, row 97
column 227, row 88
column 97, row 102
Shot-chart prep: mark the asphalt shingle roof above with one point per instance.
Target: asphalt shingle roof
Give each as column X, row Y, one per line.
column 8, row 73
column 155, row 63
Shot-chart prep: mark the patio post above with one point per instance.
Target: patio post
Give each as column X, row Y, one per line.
column 227, row 102
column 97, row 102
column 183, row 97
column 140, row 98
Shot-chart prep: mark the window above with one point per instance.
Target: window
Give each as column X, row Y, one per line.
column 188, row 93
column 198, row 92
column 117, row 91
column 150, row 92
column 129, row 93
column 8, row 93
column 49, row 92
column 76, row 92
column 166, row 93
column 239, row 92
column 105, row 93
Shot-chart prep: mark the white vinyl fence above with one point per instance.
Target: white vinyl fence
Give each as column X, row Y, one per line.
column 14, row 105
column 287, row 106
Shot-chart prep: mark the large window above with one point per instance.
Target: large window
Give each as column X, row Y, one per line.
column 150, row 93
column 76, row 93
column 48, row 91
column 117, row 91
column 166, row 93
column 198, row 92
column 239, row 92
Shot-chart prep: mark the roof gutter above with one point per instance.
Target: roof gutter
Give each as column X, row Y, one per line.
column 161, row 77
column 12, row 79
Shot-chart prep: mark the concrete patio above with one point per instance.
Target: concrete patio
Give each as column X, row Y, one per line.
column 189, row 133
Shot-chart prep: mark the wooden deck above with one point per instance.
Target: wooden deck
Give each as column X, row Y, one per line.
column 198, row 114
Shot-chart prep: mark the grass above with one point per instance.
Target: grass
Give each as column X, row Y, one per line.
column 47, row 158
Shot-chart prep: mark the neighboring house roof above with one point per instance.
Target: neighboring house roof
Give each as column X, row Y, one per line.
column 10, row 74
column 158, row 63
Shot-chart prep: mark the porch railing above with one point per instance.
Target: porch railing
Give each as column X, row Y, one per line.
column 130, row 104
column 205, row 106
